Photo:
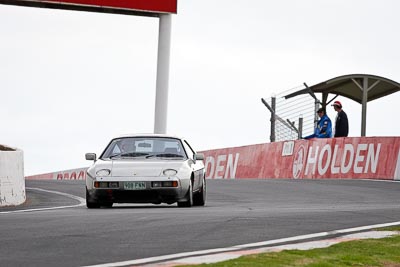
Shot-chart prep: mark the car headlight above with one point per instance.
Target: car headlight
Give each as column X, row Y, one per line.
column 103, row 172
column 170, row 172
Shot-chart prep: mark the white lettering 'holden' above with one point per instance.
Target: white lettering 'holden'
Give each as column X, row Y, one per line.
column 222, row 168
column 363, row 158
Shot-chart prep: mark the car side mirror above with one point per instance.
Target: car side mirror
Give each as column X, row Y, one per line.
column 199, row 156
column 90, row 156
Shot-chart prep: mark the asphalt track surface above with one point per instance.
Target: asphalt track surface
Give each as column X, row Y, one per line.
column 237, row 212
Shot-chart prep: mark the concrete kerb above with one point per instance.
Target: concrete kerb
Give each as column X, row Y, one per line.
column 302, row 242
column 12, row 181
column 207, row 259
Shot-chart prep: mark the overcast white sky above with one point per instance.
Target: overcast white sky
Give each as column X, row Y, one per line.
column 70, row 81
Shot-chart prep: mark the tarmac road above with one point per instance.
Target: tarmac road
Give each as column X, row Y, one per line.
column 237, row 212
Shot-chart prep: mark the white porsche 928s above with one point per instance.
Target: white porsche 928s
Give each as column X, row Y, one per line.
column 150, row 168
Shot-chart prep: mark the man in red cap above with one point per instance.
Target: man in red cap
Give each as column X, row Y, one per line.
column 341, row 122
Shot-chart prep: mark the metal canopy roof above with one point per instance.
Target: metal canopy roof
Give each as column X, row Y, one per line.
column 352, row 86
column 361, row 88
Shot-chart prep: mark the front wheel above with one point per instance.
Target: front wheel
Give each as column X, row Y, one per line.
column 200, row 197
column 91, row 204
column 189, row 196
column 107, row 204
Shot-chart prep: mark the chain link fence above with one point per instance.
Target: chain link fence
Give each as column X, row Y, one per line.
column 293, row 117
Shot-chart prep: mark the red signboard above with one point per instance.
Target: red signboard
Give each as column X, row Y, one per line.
column 340, row 158
column 139, row 7
column 337, row 158
column 75, row 174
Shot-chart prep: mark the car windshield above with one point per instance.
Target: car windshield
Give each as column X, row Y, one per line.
column 144, row 148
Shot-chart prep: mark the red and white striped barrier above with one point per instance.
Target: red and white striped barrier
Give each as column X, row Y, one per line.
column 349, row 158
column 74, row 174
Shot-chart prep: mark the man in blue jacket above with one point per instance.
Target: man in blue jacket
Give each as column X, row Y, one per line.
column 324, row 126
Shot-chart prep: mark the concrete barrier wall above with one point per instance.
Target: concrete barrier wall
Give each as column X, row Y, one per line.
column 12, row 182
column 344, row 158
column 72, row 174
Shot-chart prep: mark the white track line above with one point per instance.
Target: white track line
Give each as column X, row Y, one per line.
column 243, row 247
column 82, row 202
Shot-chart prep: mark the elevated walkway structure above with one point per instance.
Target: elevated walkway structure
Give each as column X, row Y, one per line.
column 361, row 88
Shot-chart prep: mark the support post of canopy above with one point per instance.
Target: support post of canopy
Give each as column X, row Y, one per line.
column 161, row 105
column 364, row 107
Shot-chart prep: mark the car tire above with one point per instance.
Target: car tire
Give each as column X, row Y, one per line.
column 189, row 196
column 200, row 197
column 91, row 204
column 107, row 204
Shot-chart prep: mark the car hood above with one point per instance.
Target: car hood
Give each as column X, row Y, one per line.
column 129, row 168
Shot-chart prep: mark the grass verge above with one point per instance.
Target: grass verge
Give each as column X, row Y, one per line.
column 368, row 252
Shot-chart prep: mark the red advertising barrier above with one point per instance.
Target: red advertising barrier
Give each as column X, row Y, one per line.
column 116, row 6
column 74, row 174
column 350, row 158
column 169, row 6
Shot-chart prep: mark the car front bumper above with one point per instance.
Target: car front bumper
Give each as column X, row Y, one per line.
column 150, row 194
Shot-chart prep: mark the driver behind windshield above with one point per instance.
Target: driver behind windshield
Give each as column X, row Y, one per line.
column 126, row 147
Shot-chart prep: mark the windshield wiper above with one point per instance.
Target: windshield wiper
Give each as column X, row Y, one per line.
column 130, row 155
column 167, row 155
column 115, row 155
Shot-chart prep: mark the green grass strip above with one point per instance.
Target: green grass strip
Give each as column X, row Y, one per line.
column 369, row 252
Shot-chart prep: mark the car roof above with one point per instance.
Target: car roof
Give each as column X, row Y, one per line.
column 148, row 135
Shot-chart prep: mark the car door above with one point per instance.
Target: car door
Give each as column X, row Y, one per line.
column 196, row 165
